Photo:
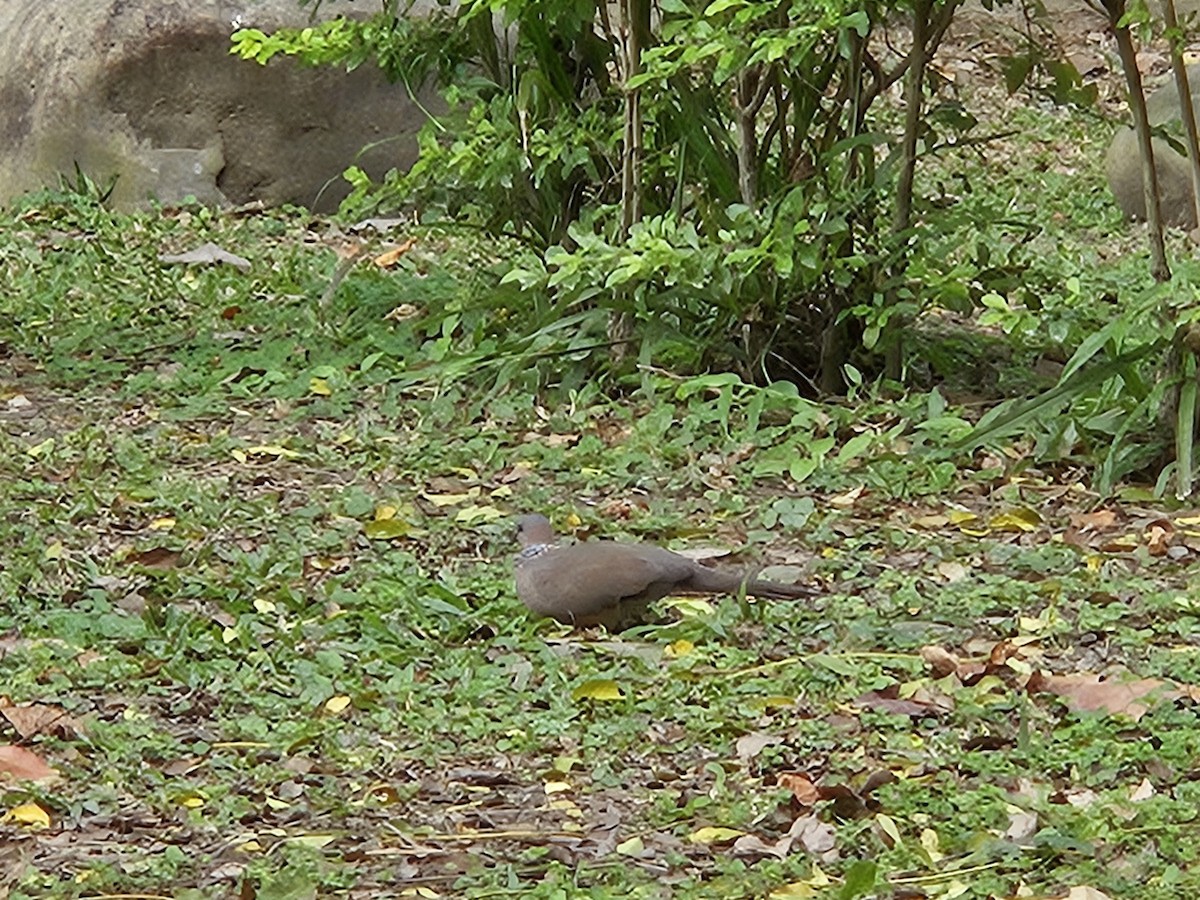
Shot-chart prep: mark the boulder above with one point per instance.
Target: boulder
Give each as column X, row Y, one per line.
column 147, row 91
column 1173, row 170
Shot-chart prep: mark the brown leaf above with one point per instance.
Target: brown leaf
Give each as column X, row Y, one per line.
column 19, row 764
column 800, row 785
column 37, row 718
column 1100, row 520
column 1001, row 654
column 847, row 803
column 940, row 661
column 888, row 700
column 877, row 779
column 1092, row 693
column 752, row 744
column 1159, row 535
column 155, row 558
column 753, row 846
column 389, row 258
column 814, row 835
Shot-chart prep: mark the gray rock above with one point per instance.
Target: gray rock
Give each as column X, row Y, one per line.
column 147, row 90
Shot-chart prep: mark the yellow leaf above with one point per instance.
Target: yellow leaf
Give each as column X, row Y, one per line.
column 41, row 449
column 692, row 607
column 556, row 787
column 778, row 701
column 54, row 552
column 320, row 386
column 960, row 516
column 228, row 634
column 846, row 500
column 565, row 764
column 239, row 455
column 28, row 814
column 470, row 515
column 316, row 841
column 425, row 893
column 1022, row 518
column 440, row 500
column 932, row 521
column 336, row 705
column 191, row 801
column 251, row 846
column 952, row 571
column 888, row 826
column 263, row 606
column 597, row 689
column 276, row 804
column 713, row 834
column 930, row 844
column 573, row 521
column 383, row 512
column 566, row 806
column 165, row 523
column 819, row 878
column 632, row 847
column 386, row 529
column 1029, row 623
column 679, row 648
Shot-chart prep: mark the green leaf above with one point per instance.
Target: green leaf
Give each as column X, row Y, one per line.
column 836, row 664
column 1011, row 416
column 854, row 447
column 861, row 877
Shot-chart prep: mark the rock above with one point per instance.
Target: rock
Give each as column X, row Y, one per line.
column 147, row 90
column 1123, row 167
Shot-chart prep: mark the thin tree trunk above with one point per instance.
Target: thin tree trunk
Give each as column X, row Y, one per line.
column 1159, row 268
column 752, row 87
column 634, row 29
column 914, row 97
column 1187, row 112
column 1181, row 364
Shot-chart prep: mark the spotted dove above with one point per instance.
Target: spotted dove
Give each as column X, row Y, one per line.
column 611, row 584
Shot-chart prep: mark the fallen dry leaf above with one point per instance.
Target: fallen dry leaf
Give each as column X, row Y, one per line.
column 752, row 744
column 19, row 764
column 940, row 660
column 888, row 700
column 1093, row 693
column 389, row 258
column 1100, row 520
column 1022, row 825
column 36, row 718
column 800, row 785
column 155, row 558
column 1159, row 535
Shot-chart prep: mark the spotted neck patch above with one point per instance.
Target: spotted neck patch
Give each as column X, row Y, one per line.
column 528, row 553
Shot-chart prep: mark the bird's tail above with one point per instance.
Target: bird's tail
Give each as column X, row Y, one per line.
column 774, row 590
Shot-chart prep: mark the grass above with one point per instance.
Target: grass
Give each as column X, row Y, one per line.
column 256, row 556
